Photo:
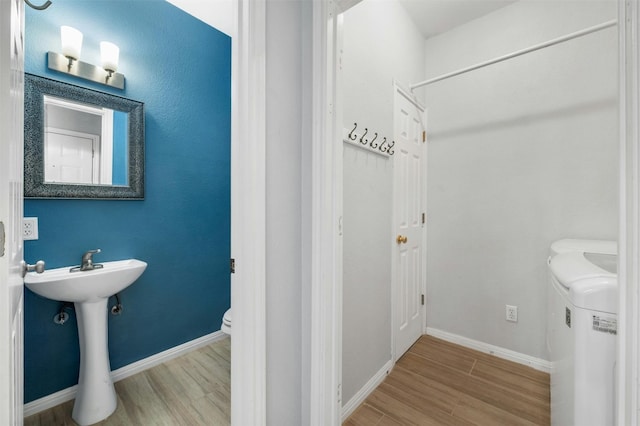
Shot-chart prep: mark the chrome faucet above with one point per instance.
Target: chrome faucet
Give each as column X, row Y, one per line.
column 87, row 262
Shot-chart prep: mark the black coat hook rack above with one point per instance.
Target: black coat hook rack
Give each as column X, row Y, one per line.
column 373, row 145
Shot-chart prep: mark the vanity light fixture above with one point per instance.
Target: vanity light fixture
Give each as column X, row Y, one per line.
column 69, row 61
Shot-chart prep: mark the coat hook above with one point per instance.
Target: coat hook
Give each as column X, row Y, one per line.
column 371, row 144
column 364, row 141
column 351, row 136
column 391, row 146
column 383, row 148
column 43, row 7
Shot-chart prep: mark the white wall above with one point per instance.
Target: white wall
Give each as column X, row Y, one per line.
column 521, row 153
column 381, row 44
column 284, row 203
column 217, row 13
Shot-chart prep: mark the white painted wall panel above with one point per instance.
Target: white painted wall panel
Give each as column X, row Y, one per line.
column 284, row 106
column 521, row 153
column 367, row 267
column 381, row 44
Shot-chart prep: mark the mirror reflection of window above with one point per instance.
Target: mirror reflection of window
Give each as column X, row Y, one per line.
column 84, row 144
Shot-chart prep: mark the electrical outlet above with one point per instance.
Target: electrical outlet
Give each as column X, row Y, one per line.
column 512, row 313
column 30, row 228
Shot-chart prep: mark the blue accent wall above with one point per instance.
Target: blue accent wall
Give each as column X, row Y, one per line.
column 120, row 163
column 181, row 69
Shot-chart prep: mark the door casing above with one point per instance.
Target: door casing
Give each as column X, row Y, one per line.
column 629, row 212
column 11, row 210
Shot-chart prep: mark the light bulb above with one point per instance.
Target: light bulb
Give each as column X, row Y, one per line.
column 109, row 53
column 71, row 42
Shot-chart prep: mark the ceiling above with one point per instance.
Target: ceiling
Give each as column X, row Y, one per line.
column 433, row 17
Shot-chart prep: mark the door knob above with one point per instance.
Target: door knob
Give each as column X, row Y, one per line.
column 400, row 239
column 38, row 267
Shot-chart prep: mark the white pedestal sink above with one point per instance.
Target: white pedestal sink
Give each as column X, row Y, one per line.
column 90, row 291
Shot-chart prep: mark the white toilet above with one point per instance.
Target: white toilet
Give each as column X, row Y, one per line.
column 225, row 327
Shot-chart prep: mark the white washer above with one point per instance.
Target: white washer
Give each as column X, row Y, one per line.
column 581, row 331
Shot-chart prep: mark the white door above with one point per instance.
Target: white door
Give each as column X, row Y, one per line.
column 71, row 157
column 11, row 187
column 409, row 174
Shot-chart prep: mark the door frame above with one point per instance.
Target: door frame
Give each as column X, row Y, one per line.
column 629, row 209
column 325, row 363
column 322, row 264
column 248, row 228
column 629, row 214
column 248, row 212
column 398, row 90
column 11, row 246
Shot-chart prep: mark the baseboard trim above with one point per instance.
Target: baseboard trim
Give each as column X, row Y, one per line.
column 49, row 401
column 536, row 363
column 68, row 394
column 363, row 393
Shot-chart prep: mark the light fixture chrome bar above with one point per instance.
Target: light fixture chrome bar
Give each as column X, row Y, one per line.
column 59, row 62
column 518, row 53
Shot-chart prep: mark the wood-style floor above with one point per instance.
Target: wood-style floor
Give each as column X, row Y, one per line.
column 194, row 389
column 439, row 383
column 434, row 383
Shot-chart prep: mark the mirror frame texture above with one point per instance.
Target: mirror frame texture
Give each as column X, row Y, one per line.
column 35, row 87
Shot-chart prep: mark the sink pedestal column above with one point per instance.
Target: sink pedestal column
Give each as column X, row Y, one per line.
column 96, row 397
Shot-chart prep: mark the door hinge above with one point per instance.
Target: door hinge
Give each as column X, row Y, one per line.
column 424, row 136
column 424, row 217
column 232, row 264
column 422, row 299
